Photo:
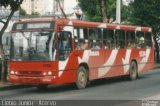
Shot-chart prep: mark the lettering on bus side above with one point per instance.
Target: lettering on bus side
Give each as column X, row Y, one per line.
column 142, row 53
column 46, row 65
column 94, row 53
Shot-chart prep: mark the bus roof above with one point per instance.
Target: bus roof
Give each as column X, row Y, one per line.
column 79, row 23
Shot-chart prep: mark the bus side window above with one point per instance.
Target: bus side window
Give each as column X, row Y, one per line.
column 148, row 40
column 81, row 38
column 108, row 39
column 120, row 39
column 130, row 39
column 140, row 39
column 64, row 44
column 95, row 38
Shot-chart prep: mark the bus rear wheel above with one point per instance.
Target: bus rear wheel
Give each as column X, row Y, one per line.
column 133, row 74
column 82, row 78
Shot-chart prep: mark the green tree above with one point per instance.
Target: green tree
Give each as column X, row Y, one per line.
column 146, row 13
column 14, row 6
column 102, row 10
column 22, row 12
column 92, row 10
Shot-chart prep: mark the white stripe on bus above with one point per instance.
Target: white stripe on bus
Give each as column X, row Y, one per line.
column 144, row 60
column 110, row 61
column 126, row 60
column 62, row 66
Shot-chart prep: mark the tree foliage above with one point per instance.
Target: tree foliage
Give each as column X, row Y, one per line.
column 22, row 12
column 14, row 6
column 146, row 13
column 93, row 10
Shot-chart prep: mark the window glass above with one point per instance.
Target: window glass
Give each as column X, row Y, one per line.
column 120, row 39
column 131, row 39
column 140, row 39
column 81, row 38
column 64, row 44
column 108, row 39
column 33, row 46
column 95, row 39
column 148, row 40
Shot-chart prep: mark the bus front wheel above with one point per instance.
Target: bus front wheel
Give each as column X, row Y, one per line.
column 82, row 78
column 133, row 74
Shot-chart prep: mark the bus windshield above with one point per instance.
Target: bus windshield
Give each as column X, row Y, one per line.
column 33, row 46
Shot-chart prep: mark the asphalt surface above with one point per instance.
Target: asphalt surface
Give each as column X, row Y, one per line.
column 147, row 86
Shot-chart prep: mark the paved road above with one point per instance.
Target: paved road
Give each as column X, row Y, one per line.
column 147, row 86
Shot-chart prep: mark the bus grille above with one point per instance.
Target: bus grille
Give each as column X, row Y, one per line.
column 30, row 73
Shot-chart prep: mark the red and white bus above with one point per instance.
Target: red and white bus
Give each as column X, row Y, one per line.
column 61, row 51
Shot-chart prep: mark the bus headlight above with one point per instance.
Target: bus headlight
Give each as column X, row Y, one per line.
column 44, row 73
column 16, row 72
column 12, row 72
column 49, row 73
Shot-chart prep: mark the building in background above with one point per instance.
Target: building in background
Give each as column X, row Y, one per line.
column 70, row 7
column 41, row 7
column 51, row 8
column 33, row 6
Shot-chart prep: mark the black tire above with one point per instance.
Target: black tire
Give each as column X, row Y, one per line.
column 133, row 73
column 81, row 78
column 42, row 87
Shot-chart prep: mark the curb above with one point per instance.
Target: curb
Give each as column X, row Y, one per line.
column 14, row 86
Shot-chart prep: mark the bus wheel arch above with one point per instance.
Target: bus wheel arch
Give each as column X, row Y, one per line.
column 133, row 70
column 82, row 76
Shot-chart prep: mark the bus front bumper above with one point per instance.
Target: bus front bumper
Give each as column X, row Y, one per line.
column 32, row 80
